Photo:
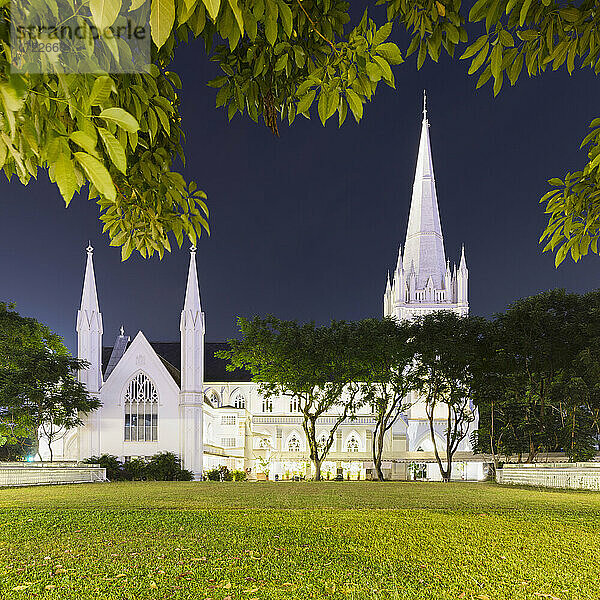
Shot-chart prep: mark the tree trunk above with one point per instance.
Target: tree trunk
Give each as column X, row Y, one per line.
column 378, row 442
column 435, row 448
column 493, row 450
column 317, row 464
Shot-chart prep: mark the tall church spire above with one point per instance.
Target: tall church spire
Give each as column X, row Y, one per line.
column 191, row 397
column 423, row 282
column 192, row 291
column 89, row 329
column 89, row 296
column 424, row 246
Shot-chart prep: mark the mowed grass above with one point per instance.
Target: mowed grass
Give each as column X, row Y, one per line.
column 243, row 541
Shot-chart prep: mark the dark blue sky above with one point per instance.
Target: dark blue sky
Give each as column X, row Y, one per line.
column 305, row 226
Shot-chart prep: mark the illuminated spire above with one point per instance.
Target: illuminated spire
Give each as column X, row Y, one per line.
column 424, row 246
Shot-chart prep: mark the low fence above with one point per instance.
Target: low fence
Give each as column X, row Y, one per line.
column 44, row 473
column 573, row 476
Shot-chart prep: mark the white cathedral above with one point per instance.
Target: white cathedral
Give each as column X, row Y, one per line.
column 178, row 396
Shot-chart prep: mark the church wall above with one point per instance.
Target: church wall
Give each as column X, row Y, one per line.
column 112, row 415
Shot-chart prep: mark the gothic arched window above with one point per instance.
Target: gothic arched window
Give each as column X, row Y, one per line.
column 293, row 444
column 264, row 443
column 352, row 444
column 214, row 398
column 294, row 405
column 267, row 405
column 141, row 410
column 322, row 441
column 239, row 401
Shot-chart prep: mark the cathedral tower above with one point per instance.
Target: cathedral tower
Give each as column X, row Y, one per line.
column 422, row 282
column 89, row 348
column 192, row 374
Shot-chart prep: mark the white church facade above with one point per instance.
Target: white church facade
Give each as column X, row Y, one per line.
column 179, row 397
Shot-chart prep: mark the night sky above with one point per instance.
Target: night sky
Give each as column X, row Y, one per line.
column 306, row 226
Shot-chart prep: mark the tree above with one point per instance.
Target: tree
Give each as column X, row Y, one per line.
column 540, row 389
column 87, row 118
column 39, row 392
column 539, row 337
column 447, row 348
column 387, row 357
column 316, row 367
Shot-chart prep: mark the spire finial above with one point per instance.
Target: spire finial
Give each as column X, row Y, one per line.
column 193, row 248
column 89, row 248
column 122, row 331
column 425, row 105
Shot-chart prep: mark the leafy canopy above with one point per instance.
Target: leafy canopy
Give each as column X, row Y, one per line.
column 39, row 392
column 120, row 133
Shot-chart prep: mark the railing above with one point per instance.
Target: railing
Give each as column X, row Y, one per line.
column 574, row 476
column 45, row 473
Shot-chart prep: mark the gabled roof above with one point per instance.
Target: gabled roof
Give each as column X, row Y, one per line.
column 170, row 355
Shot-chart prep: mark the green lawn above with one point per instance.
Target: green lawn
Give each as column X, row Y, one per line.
column 243, row 541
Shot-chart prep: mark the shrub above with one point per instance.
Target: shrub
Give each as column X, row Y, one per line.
column 114, row 469
column 220, row 473
column 239, row 475
column 134, row 470
column 166, row 466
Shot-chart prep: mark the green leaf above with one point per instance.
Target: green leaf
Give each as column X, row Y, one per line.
column 506, row 38
column 383, row 33
column 306, row 101
column 120, row 117
column 496, row 61
column 64, row 174
column 374, row 71
column 524, row 11
column 135, row 4
column 385, row 68
column 355, row 104
column 271, row 21
column 281, row 63
column 479, row 59
column 477, row 12
column 561, row 255
column 98, row 174
column 101, row 89
column 104, row 12
column 212, row 6
column 218, row 82
column 11, row 99
column 162, row 17
column 237, row 13
column 570, row 14
column 164, row 120
column 85, row 141
column 114, row 149
column 286, row 17
column 390, row 52
column 328, row 103
column 3, row 152
column 475, row 47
